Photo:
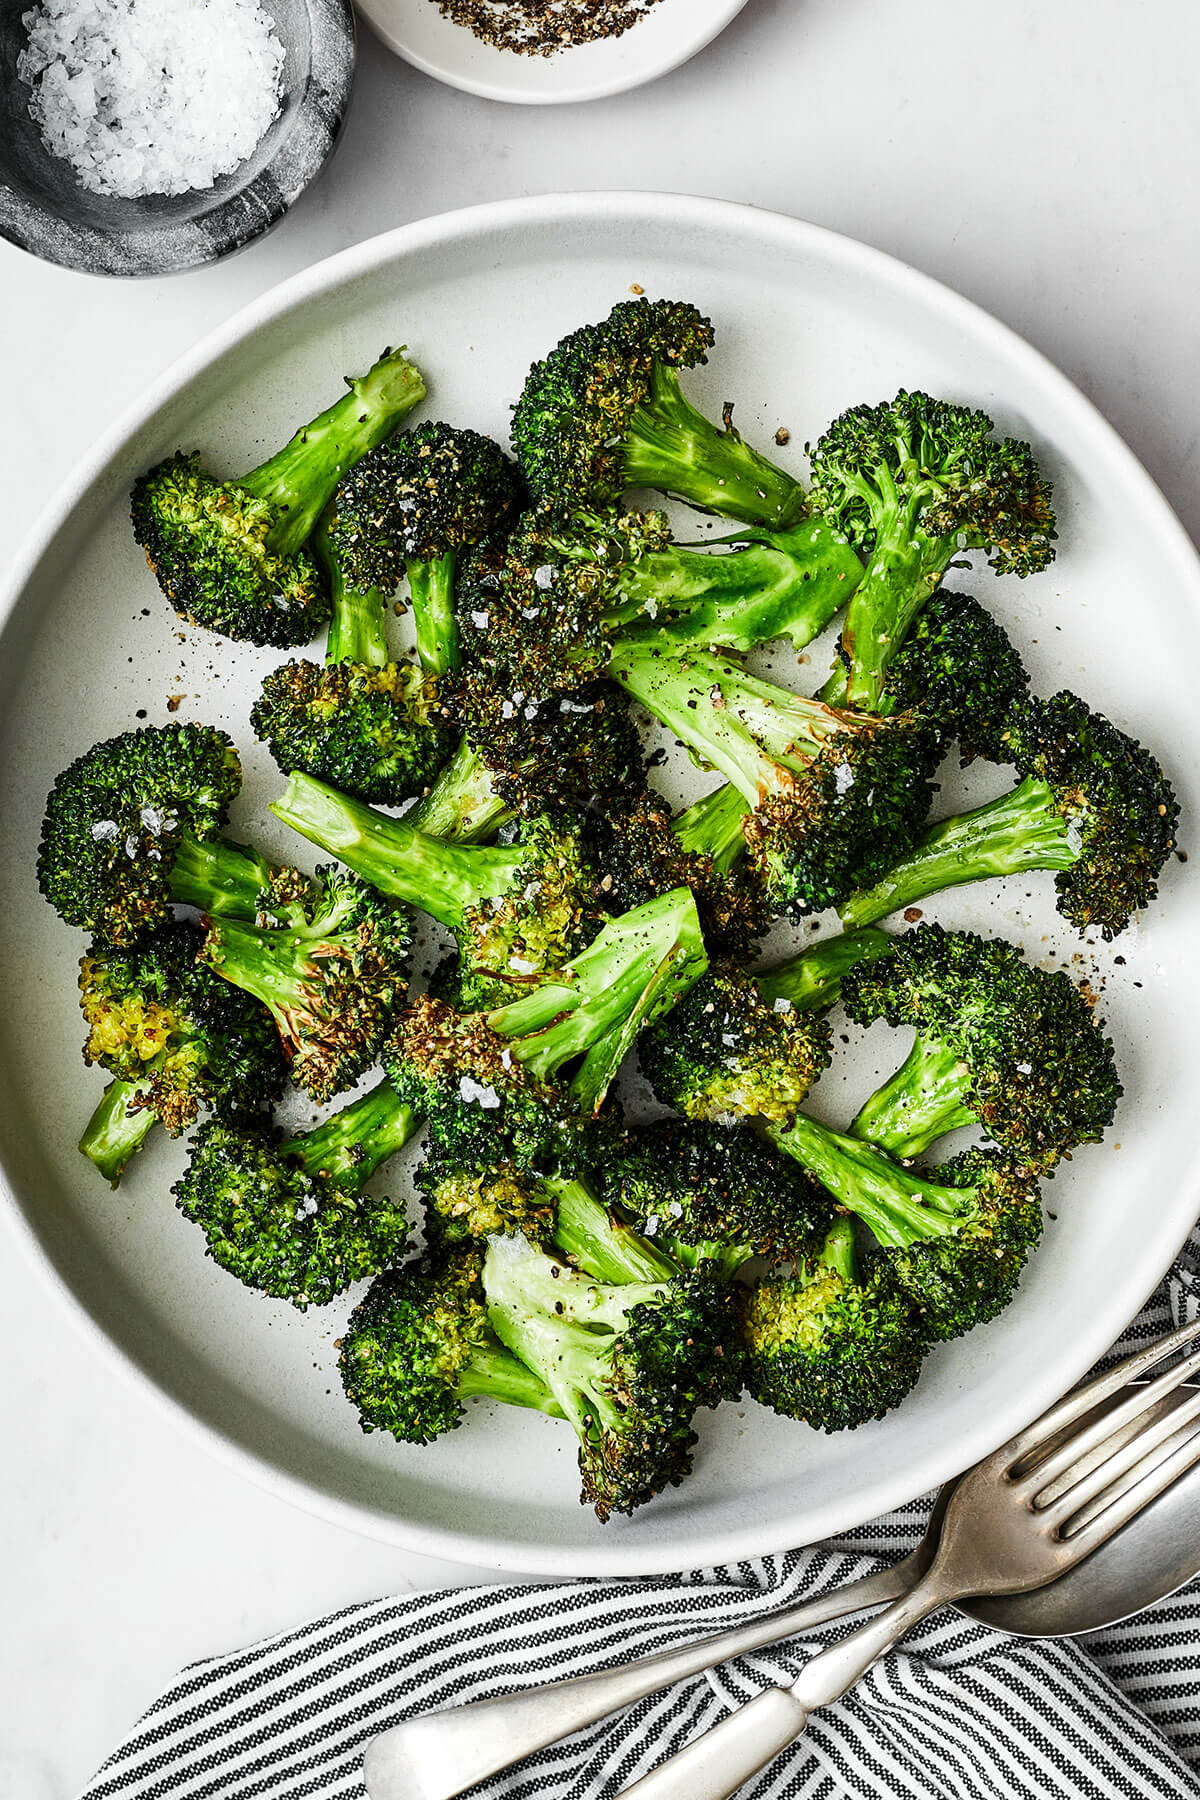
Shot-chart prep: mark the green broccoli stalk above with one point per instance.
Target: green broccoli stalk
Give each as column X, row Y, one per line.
column 233, row 556
column 812, row 980
column 914, row 483
column 714, row 827
column 957, row 1241
column 288, row 1216
column 604, row 412
column 333, row 984
column 462, row 804
column 117, row 1129
column 419, row 1345
column 832, row 793
column 1000, row 1044
column 629, row 1364
column 824, row 1346
column 1092, row 804
column 130, row 829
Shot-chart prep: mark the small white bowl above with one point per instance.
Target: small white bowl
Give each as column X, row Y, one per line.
column 671, row 32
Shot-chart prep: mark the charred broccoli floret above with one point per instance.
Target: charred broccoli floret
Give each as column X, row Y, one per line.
column 1093, row 804
column 833, row 793
column 958, row 668
column 176, row 1037
column 954, row 1241
column 714, row 1191
column 629, row 1364
column 1010, row 1047
column 233, row 555
column 419, row 1345
column 289, row 1216
column 605, row 412
column 825, row 1346
column 130, row 828
column 333, row 983
column 914, row 483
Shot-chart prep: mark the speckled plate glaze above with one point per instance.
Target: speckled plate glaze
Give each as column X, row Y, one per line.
column 807, row 323
column 671, row 33
column 44, row 210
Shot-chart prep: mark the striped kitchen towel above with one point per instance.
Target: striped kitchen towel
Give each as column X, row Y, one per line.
column 958, row 1712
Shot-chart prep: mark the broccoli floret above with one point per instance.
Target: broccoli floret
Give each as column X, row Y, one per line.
column 467, row 1202
column 714, row 1190
column 629, row 1364
column 176, row 1035
column 1093, row 805
column 130, row 829
column 232, row 555
column 1010, row 1047
column 914, row 483
column 414, row 505
column 959, row 669
column 605, row 412
column 826, row 1347
column 955, row 1242
column 289, row 1217
column 726, row 1052
column 486, row 1082
column 333, row 984
column 833, row 793
column 419, row 1344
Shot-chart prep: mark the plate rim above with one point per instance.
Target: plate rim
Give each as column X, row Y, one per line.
column 892, row 1488
column 601, row 88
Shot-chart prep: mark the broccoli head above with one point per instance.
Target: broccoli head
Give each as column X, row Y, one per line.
column 958, row 668
column 468, row 1201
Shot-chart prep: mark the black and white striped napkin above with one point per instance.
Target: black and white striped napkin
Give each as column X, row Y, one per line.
column 958, row 1712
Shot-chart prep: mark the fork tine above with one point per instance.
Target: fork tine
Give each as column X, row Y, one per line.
column 1133, row 1500
column 1082, row 1399
column 1062, row 1458
column 1136, row 1451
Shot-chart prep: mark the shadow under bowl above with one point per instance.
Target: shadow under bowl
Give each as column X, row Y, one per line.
column 45, row 209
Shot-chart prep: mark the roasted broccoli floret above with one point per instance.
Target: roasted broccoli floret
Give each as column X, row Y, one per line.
column 1092, row 804
column 629, row 1364
column 176, row 1037
column 726, row 1052
column 958, row 668
column 333, row 983
column 714, row 1191
column 1012, row 1048
column 288, row 1216
column 419, row 1344
column 605, row 412
column 488, row 1082
column 828, row 1347
column 955, row 1241
column 233, row 555
column 833, row 793
column 130, row 828
column 515, row 910
column 914, row 483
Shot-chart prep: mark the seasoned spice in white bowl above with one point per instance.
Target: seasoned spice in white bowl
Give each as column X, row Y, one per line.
column 540, row 27
column 151, row 96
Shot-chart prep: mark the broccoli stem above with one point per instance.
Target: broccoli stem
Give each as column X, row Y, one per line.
column 218, row 878
column 838, row 1252
column 587, row 1233
column 920, row 1103
column 494, row 1374
column 790, row 584
column 357, row 628
column 713, row 827
column 462, row 803
column 431, row 585
column 347, row 1149
column 899, row 1207
column 116, row 1131
column 1014, row 835
column 905, row 569
column 813, row 980
column 300, row 479
column 443, row 879
column 670, row 446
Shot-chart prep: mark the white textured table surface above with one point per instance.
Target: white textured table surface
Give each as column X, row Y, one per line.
column 1040, row 159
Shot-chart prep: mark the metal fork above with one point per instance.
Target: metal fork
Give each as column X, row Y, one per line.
column 1028, row 1513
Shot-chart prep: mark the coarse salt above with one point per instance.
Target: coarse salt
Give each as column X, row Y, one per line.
column 151, row 96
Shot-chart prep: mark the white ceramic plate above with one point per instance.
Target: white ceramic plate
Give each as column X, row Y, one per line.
column 807, row 323
column 671, row 33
